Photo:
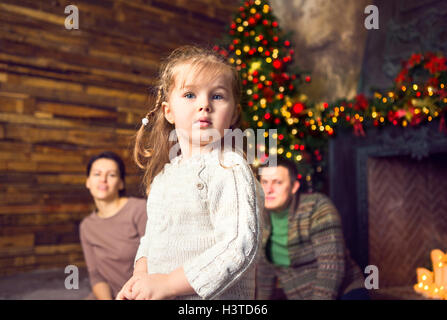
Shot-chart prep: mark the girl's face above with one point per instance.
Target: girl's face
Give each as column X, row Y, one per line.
column 104, row 181
column 200, row 106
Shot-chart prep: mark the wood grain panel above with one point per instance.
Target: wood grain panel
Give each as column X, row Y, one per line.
column 66, row 95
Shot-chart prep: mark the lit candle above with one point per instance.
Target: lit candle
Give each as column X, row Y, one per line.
column 444, row 275
column 424, row 276
column 437, row 256
column 436, row 294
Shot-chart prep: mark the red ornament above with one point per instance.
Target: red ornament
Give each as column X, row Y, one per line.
column 277, row 64
column 251, row 21
column 267, row 116
column 250, row 103
column 274, row 24
column 275, row 38
column 231, row 47
column 291, row 87
column 258, row 16
column 280, row 136
column 299, row 176
column 246, row 34
column 265, row 42
column 296, row 147
column 287, row 43
column 361, row 103
column 255, row 80
column 232, row 32
column 260, row 86
column 267, row 53
column 255, row 73
column 261, row 37
column 256, row 96
column 277, row 121
column 298, row 108
column 233, row 26
column 325, row 105
column 302, row 147
column 236, row 41
column 265, row 22
column 307, row 79
column 241, row 9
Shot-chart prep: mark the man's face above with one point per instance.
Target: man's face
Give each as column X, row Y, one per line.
column 277, row 187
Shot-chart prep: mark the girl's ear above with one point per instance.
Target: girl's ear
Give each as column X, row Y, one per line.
column 167, row 112
column 87, row 183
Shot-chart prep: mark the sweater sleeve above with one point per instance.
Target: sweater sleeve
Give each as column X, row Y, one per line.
column 265, row 278
column 234, row 214
column 328, row 243
column 90, row 259
column 143, row 247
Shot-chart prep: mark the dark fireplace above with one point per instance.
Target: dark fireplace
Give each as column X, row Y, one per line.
column 390, row 188
column 407, row 215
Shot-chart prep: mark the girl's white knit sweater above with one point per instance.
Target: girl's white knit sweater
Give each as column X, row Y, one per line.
column 205, row 218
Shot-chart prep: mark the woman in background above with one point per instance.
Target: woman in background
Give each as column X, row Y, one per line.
column 110, row 235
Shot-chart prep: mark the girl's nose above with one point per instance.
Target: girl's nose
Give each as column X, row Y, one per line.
column 204, row 107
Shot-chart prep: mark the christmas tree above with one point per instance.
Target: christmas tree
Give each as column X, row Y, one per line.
column 263, row 55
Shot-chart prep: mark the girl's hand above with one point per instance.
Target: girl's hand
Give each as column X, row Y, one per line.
column 152, row 287
column 126, row 291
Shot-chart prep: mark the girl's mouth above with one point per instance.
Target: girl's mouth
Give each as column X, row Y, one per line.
column 204, row 124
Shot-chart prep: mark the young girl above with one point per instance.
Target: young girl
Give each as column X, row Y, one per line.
column 203, row 205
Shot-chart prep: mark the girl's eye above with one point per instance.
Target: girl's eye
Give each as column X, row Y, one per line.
column 189, row 95
column 218, row 97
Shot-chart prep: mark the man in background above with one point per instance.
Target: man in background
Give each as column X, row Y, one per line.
column 303, row 251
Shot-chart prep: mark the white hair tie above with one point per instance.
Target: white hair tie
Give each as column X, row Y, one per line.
column 145, row 121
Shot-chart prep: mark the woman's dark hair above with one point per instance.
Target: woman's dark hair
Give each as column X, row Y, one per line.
column 112, row 156
column 286, row 163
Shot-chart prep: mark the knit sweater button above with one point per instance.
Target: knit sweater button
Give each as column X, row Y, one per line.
column 200, row 186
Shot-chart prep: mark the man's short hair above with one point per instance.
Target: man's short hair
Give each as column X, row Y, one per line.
column 283, row 162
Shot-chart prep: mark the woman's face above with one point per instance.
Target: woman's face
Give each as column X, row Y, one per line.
column 104, row 181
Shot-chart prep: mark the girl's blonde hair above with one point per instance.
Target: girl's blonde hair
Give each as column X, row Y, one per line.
column 152, row 145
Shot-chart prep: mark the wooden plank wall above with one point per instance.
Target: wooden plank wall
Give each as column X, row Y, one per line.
column 68, row 94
